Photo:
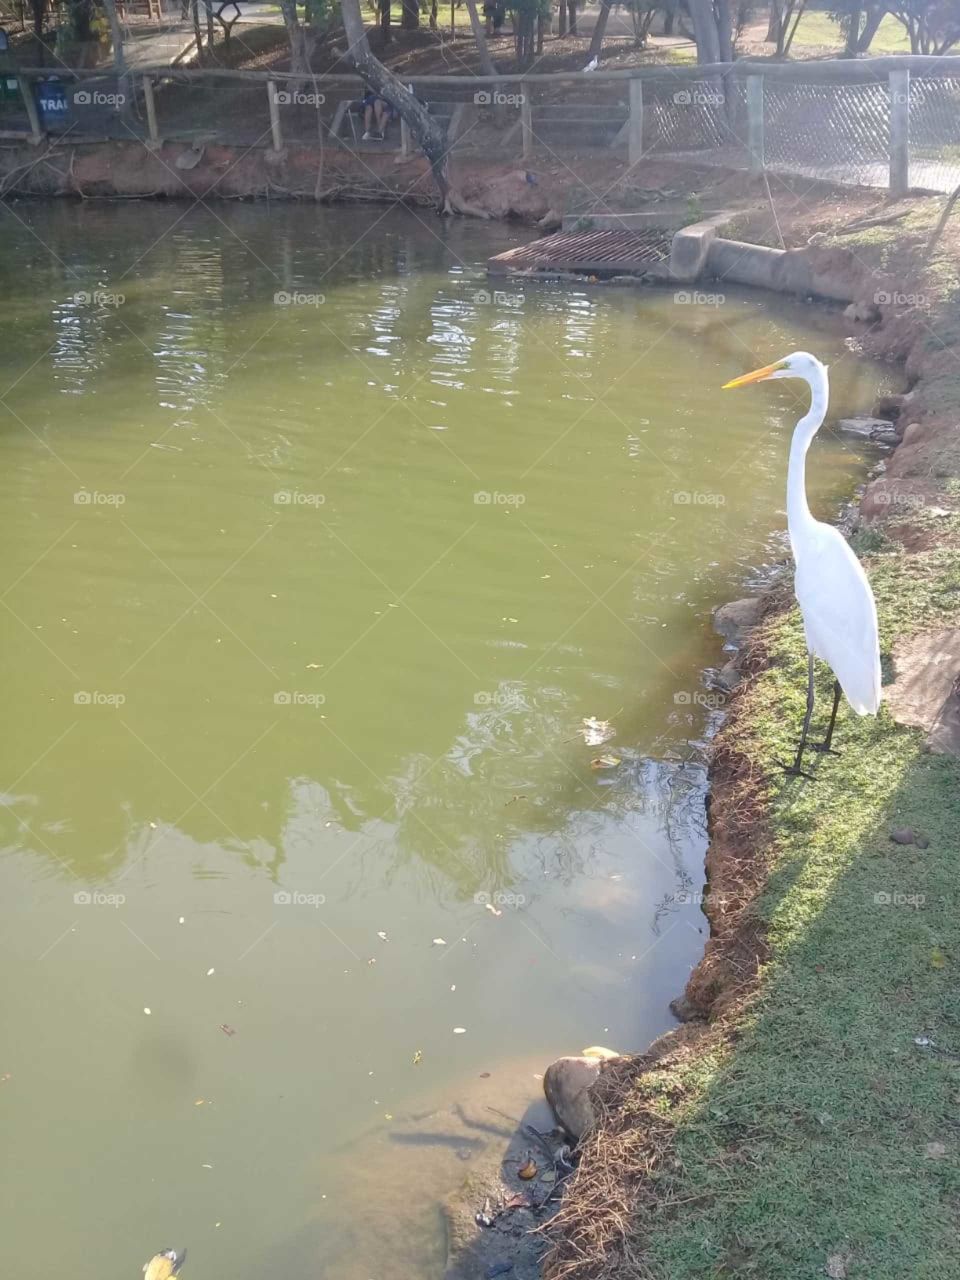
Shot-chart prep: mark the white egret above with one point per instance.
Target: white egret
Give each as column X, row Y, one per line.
column 838, row 608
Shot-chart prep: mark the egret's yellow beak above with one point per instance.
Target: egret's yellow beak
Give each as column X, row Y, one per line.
column 758, row 375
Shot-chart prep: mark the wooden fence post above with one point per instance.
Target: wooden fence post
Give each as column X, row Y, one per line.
column 755, row 123
column 30, row 102
column 898, row 91
column 153, row 131
column 274, row 115
column 635, row 123
column 526, row 123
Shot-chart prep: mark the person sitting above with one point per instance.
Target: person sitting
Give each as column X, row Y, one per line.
column 377, row 114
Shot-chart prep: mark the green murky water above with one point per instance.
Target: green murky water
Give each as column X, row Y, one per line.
column 304, row 604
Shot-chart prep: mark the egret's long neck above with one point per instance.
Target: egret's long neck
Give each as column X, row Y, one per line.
column 798, row 513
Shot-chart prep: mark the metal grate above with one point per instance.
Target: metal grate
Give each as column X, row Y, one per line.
column 608, row 251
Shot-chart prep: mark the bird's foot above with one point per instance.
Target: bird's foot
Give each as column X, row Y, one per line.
column 823, row 748
column 794, row 771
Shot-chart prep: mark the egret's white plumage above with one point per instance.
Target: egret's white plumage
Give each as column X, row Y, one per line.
column 838, row 608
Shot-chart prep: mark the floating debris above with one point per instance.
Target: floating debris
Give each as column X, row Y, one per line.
column 604, row 762
column 528, row 1170
column 147, row 1011
column 381, row 934
column 439, row 942
column 459, row 1031
column 228, row 1031
column 418, row 1057
column 488, row 906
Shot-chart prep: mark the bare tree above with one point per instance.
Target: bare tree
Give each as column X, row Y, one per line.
column 932, row 25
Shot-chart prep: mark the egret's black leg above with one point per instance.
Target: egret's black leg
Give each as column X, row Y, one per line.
column 825, row 746
column 794, row 770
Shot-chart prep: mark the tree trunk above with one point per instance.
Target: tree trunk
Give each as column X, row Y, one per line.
column 853, row 30
column 875, row 15
column 775, row 25
column 523, row 37
column 541, row 24
column 786, row 37
column 208, row 5
column 429, row 135
column 562, row 19
column 385, row 33
column 487, row 67
column 572, row 16
column 433, row 15
column 410, row 15
column 298, row 49
column 724, row 30
column 600, row 29
column 705, row 31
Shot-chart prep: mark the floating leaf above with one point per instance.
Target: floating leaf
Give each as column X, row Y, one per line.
column 604, row 762
column 418, row 1057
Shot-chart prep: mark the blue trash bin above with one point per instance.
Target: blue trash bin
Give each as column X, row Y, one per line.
column 52, row 102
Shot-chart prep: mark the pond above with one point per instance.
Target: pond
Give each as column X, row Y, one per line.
column 326, row 565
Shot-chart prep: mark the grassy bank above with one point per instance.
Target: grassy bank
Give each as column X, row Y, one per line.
column 811, row 1127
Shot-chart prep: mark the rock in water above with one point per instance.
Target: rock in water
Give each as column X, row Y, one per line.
column 879, row 430
column 566, row 1083
column 732, row 621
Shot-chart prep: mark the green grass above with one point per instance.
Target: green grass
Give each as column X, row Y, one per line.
column 816, row 30
column 807, row 1137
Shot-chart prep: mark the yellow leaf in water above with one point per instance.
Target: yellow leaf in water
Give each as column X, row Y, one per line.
column 418, row 1057
column 937, row 959
column 527, row 1171
column 604, row 762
